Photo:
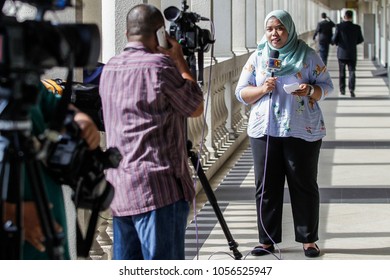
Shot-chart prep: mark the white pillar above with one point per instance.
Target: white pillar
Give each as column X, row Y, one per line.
column 251, row 31
column 222, row 17
column 239, row 26
column 108, row 30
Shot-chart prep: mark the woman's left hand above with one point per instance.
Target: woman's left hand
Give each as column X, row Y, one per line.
column 302, row 91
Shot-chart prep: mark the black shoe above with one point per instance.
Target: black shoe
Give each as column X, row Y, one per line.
column 261, row 251
column 342, row 92
column 312, row 252
column 353, row 94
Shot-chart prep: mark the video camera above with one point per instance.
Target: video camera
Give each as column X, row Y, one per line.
column 27, row 49
column 35, row 45
column 72, row 163
column 183, row 27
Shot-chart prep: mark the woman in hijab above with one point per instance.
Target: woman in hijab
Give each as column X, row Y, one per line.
column 285, row 128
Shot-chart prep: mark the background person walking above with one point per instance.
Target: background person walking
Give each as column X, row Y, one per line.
column 347, row 36
column 324, row 31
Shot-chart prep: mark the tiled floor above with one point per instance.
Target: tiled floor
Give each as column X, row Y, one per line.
column 354, row 180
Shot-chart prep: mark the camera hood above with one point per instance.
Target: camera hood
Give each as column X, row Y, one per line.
column 172, row 14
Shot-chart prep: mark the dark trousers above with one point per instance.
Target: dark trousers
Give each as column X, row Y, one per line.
column 352, row 76
column 296, row 160
column 324, row 51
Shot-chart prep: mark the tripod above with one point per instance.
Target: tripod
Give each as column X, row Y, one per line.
column 191, row 60
column 213, row 201
column 18, row 156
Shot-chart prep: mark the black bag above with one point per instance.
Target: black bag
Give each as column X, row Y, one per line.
column 87, row 99
column 84, row 96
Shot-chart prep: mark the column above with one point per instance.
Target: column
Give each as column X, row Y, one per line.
column 239, row 26
column 222, row 16
column 251, row 30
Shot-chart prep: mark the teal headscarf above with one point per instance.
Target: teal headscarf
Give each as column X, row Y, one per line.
column 292, row 54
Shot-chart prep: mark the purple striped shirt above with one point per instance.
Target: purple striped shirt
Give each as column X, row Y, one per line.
column 146, row 103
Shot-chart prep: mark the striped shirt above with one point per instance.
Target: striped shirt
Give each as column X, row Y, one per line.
column 145, row 105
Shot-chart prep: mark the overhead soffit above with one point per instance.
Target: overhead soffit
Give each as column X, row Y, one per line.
column 336, row 4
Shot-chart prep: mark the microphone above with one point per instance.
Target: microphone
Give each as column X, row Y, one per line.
column 273, row 63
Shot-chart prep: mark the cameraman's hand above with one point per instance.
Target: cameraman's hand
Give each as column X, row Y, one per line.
column 175, row 52
column 89, row 131
column 32, row 227
column 31, row 223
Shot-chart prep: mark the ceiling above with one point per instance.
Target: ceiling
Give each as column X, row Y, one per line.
column 339, row 4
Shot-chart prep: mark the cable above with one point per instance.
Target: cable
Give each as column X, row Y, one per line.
column 263, row 181
column 198, row 165
column 202, row 135
column 261, row 199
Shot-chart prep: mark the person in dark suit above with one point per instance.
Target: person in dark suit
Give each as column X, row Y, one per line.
column 347, row 36
column 324, row 31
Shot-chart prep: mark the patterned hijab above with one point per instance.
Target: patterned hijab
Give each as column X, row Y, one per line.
column 292, row 54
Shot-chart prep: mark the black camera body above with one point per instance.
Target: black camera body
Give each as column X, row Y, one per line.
column 28, row 48
column 72, row 163
column 39, row 45
column 85, row 96
column 183, row 27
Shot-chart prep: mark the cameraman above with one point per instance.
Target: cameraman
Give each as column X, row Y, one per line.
column 147, row 93
column 41, row 114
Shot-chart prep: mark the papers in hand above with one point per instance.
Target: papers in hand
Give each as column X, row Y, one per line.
column 291, row 87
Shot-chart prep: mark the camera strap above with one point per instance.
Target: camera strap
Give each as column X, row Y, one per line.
column 103, row 202
column 200, row 67
column 84, row 244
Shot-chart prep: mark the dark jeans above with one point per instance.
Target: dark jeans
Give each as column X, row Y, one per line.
column 296, row 160
column 324, row 51
column 352, row 76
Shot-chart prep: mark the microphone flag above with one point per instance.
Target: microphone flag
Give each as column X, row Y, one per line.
column 274, row 64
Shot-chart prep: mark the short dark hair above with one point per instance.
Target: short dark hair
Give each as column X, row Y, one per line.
column 348, row 14
column 323, row 15
column 144, row 19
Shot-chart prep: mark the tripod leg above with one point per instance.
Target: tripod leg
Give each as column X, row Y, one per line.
column 213, row 201
column 12, row 157
column 10, row 189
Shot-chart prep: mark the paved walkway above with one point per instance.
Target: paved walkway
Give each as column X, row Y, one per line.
column 354, row 180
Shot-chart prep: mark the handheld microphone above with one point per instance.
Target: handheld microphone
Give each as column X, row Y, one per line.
column 274, row 64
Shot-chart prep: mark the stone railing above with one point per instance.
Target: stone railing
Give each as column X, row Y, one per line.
column 218, row 134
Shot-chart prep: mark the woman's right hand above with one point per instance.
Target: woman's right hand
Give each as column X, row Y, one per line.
column 251, row 94
column 269, row 84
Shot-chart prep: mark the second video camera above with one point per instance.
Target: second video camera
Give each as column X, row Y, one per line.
column 183, row 27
